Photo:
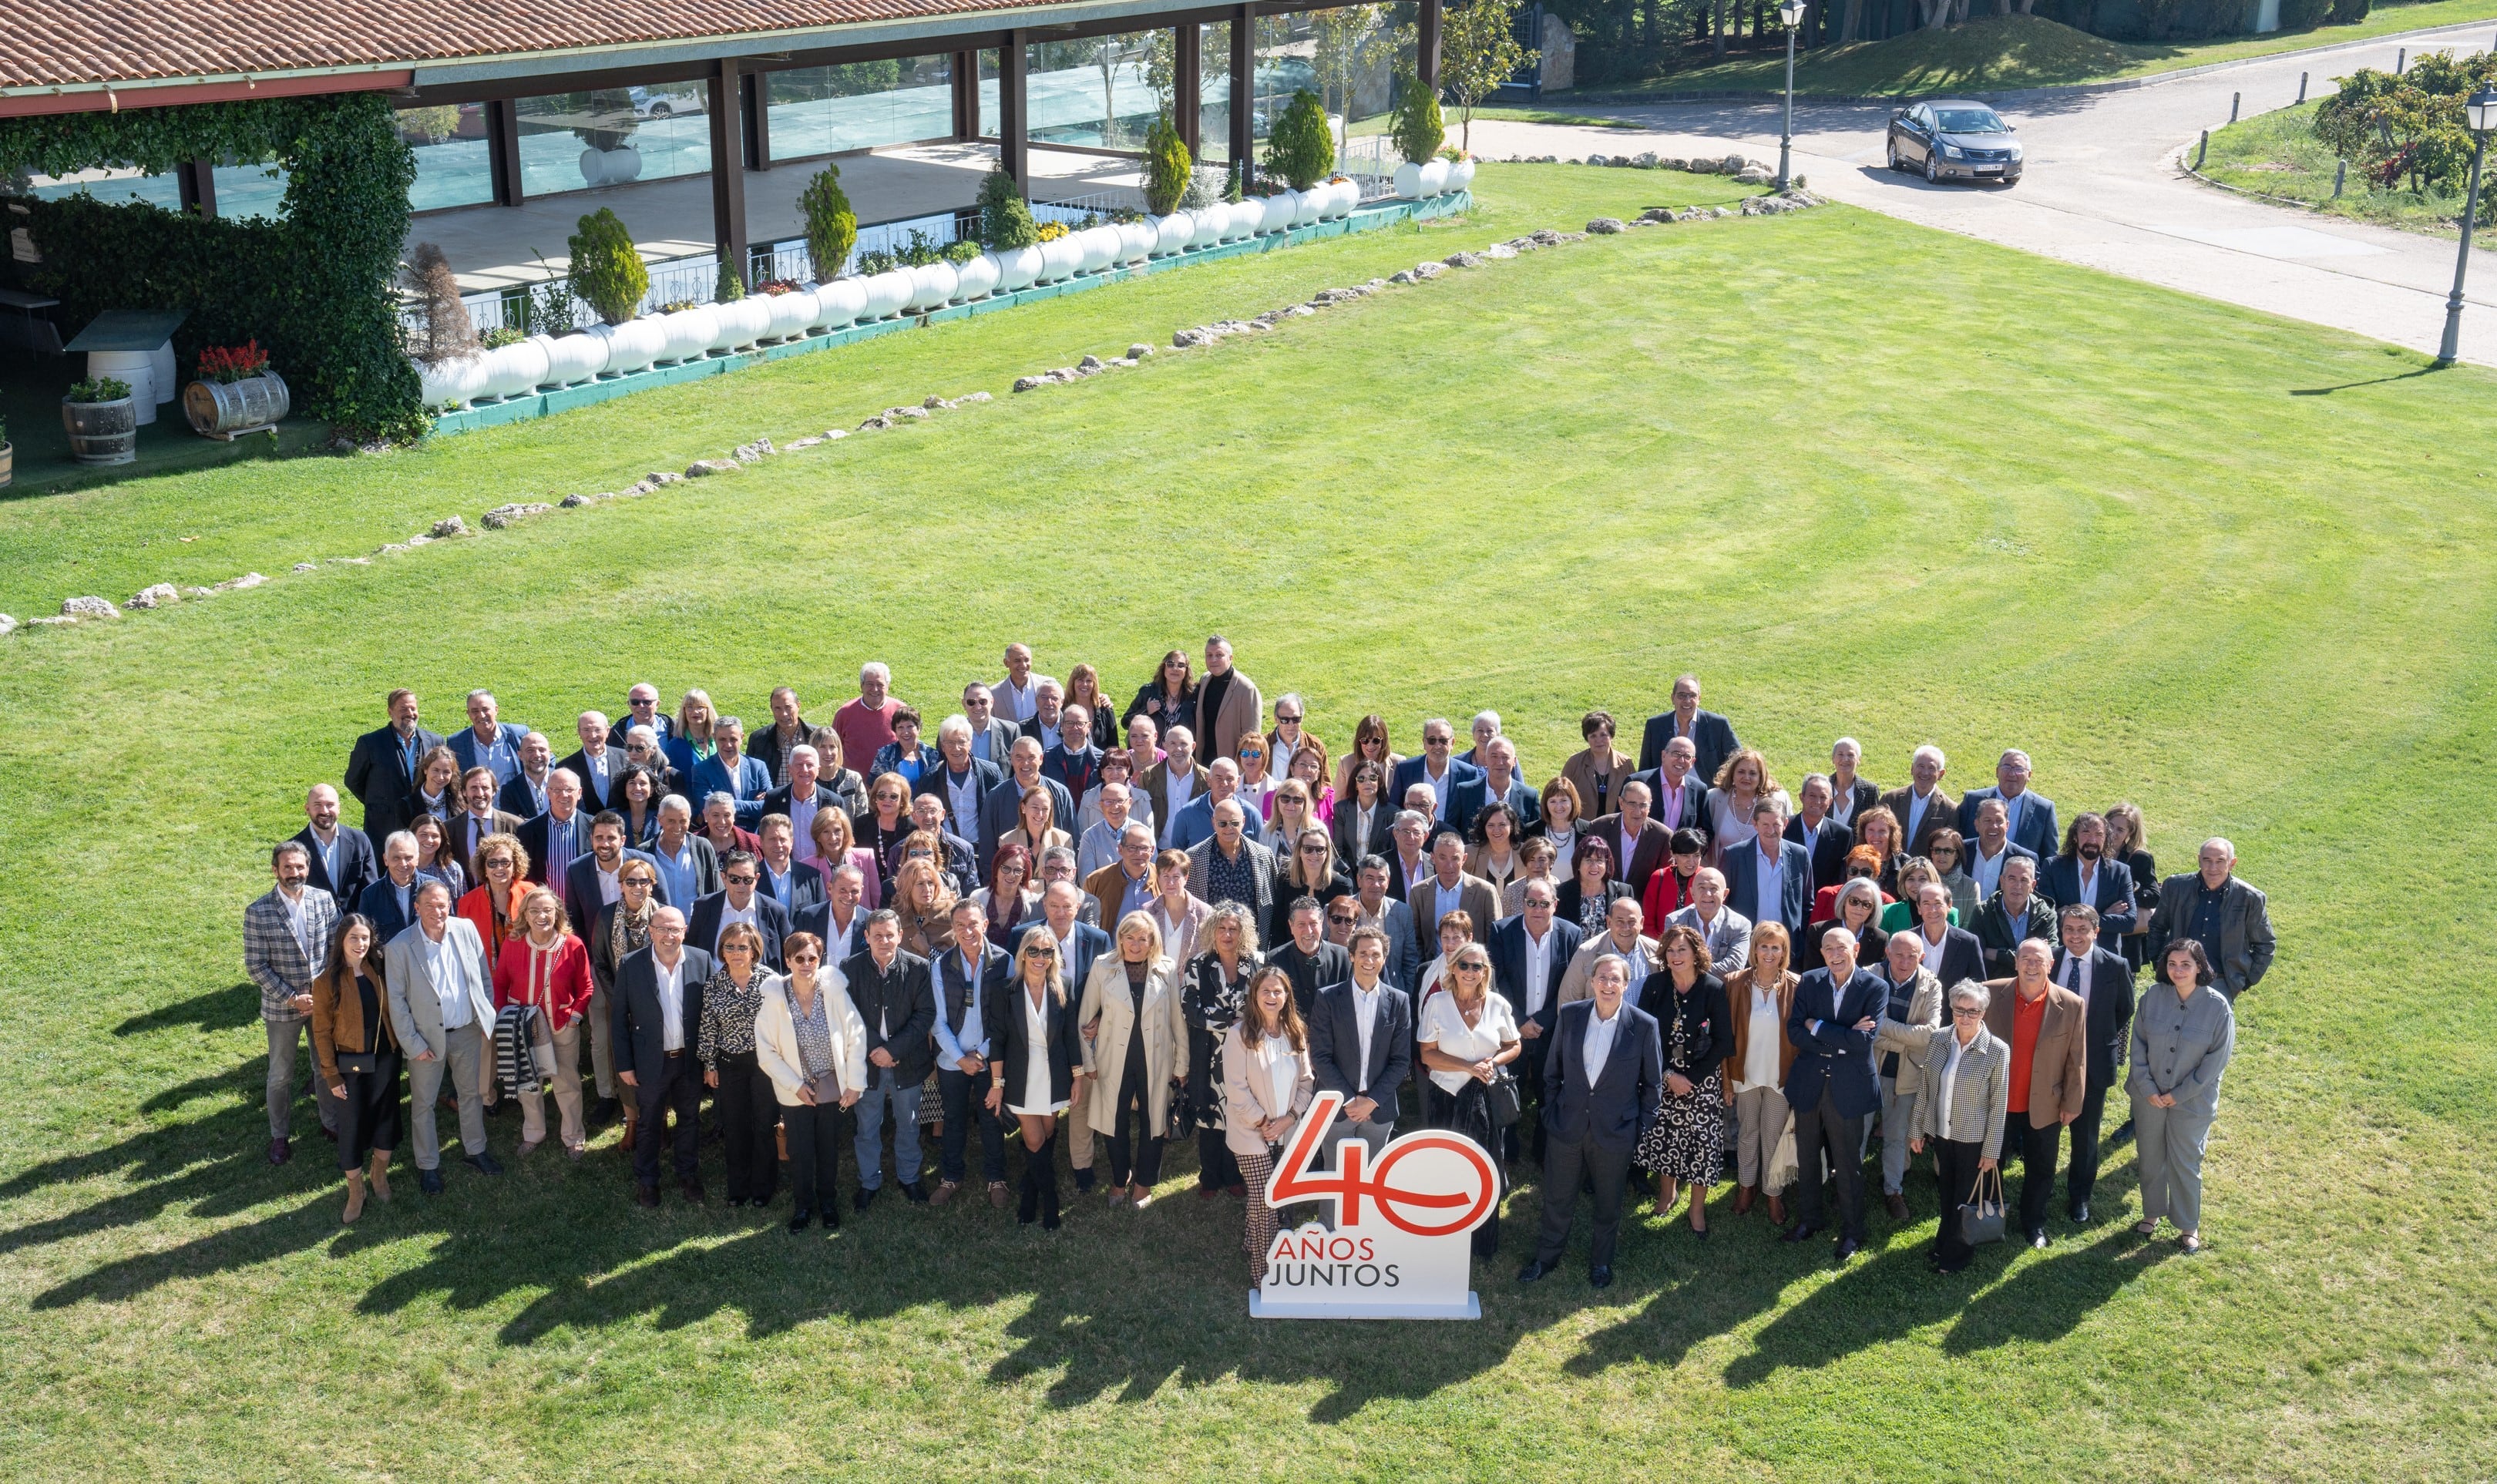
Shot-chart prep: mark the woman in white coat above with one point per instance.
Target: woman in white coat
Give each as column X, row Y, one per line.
column 808, row 1039
column 1267, row 1084
column 1135, row 1048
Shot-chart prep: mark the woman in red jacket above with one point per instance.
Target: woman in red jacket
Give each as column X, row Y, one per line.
column 493, row 906
column 544, row 965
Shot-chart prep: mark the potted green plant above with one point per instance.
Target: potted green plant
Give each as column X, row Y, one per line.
column 236, row 393
column 103, row 421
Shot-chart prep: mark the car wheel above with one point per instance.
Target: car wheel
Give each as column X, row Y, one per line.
column 1932, row 173
column 1894, row 155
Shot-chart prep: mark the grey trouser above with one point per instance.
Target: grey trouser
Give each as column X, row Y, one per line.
column 2169, row 1142
column 1760, row 1117
column 1897, row 1126
column 602, row 1044
column 285, row 1038
column 464, row 1055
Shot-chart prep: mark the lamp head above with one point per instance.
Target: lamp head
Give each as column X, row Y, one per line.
column 1791, row 13
column 2480, row 108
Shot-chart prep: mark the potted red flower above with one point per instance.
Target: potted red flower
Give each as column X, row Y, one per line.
column 236, row 393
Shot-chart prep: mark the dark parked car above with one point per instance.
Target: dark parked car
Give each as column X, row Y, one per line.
column 1955, row 141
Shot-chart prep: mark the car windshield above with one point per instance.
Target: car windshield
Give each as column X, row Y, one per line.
column 1969, row 121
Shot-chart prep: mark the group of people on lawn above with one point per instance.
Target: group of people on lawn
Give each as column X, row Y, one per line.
column 1186, row 917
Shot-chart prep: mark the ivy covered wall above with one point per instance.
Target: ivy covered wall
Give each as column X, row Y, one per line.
column 315, row 287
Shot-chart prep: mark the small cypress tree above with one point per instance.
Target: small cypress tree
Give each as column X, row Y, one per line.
column 1006, row 218
column 1419, row 130
column 1167, row 167
column 606, row 269
column 1302, row 147
column 831, row 227
column 729, row 287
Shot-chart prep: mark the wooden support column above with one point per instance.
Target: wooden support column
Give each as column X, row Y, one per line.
column 1426, row 42
column 197, row 181
column 965, row 71
column 727, row 166
column 1188, row 86
column 1014, row 116
column 1243, row 89
column 503, row 150
column 756, row 118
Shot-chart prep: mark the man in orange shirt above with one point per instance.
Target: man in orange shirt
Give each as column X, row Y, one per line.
column 2045, row 1026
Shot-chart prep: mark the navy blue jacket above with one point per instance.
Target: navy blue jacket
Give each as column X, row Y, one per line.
column 1742, row 875
column 2059, row 881
column 1837, row 1055
column 1610, row 1113
column 1509, row 965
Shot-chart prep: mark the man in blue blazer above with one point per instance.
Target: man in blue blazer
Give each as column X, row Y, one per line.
column 964, row 781
column 343, row 863
column 1784, row 878
column 2103, row 981
column 1457, row 788
column 583, row 893
column 658, row 1023
column 2083, row 876
column 1604, row 1075
column 1831, row 1086
column 488, row 741
column 737, row 901
column 1677, row 795
column 524, row 793
column 1366, row 1069
column 998, row 809
column 1712, row 737
column 1962, row 954
column 1503, row 785
column 2032, row 816
column 391, row 901
column 1529, row 955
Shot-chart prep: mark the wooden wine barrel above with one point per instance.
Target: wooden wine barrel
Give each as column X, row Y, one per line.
column 223, row 409
column 102, row 432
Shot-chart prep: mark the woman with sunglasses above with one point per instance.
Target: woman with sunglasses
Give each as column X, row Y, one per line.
column 1309, row 870
column 1216, row 983
column 1256, row 780
column 1469, row 1036
column 809, row 1040
column 1950, row 854
column 1364, row 821
column 886, row 826
column 1369, row 745
column 742, row 1095
column 1856, row 906
column 1863, row 863
column 1037, row 1064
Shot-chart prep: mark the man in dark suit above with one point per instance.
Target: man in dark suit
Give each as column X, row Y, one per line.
column 2103, row 981
column 1457, row 789
column 992, row 735
column 1831, row 1086
column 1307, row 956
column 1075, row 763
column 1769, row 879
column 381, row 771
column 2218, row 909
column 837, row 920
column 1503, row 785
column 2010, row 917
column 2030, row 816
column 998, row 817
column 524, row 793
column 1639, row 845
column 479, row 819
column 1712, row 737
column 799, row 798
column 343, row 863
column 1361, row 1044
column 964, row 780
column 972, row 978
column 1604, row 1075
column 658, row 1021
column 1529, row 954
column 1953, row 953
column 1824, row 840
column 898, row 1003
column 1922, row 807
column 789, row 729
column 558, row 838
column 2083, row 876
column 794, row 884
column 599, row 767
column 1991, row 848
column 390, row 900
column 1677, row 795
column 739, row 902
column 1048, row 708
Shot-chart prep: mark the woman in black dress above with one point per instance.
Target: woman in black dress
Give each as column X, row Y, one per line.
column 358, row 1058
column 2125, row 835
column 1686, row 1143
column 1217, row 981
column 1587, row 898
column 1169, row 698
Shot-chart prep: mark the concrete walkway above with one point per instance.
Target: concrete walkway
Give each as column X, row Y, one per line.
column 2102, row 188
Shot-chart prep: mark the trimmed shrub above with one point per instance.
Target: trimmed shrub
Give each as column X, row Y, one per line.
column 1006, row 217
column 607, row 271
column 1167, row 167
column 728, row 288
column 831, row 227
column 1302, row 147
column 1419, row 130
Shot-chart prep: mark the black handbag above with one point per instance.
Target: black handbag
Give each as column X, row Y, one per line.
column 1980, row 1221
column 356, row 1064
column 1507, row 1100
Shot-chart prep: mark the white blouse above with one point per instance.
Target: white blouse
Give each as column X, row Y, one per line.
column 1444, row 1025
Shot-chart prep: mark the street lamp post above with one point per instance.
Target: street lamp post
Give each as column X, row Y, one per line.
column 1791, row 13
column 2479, row 111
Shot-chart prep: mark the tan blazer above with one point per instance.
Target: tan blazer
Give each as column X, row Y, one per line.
column 1924, row 1008
column 1249, row 1100
column 1574, row 979
column 1430, row 903
column 2058, row 1067
column 1738, row 1002
column 1244, row 713
column 1157, row 1018
column 1108, row 888
column 1580, row 771
column 1941, row 812
column 338, row 1023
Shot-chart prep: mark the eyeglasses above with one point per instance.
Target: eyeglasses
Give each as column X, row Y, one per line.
column 1962, row 1011
column 1281, row 718
column 741, row 880
column 923, row 853
column 1040, row 953
column 1250, row 754
column 1471, row 969
column 805, row 957
column 1314, row 850
column 1342, row 921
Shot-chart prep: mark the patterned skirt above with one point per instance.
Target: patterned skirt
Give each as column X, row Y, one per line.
column 1687, row 1139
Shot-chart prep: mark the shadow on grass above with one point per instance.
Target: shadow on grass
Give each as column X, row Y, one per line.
column 228, row 1009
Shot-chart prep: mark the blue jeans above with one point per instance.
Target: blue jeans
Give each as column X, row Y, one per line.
column 871, row 1129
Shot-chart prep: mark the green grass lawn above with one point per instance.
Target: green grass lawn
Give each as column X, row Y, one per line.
column 1991, row 53
column 2233, row 568
column 2278, row 154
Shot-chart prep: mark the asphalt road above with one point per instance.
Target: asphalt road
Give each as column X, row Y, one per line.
column 2103, row 188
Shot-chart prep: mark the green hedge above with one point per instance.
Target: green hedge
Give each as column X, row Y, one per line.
column 315, row 287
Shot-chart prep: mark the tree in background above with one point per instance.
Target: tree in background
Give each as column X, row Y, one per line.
column 1478, row 52
column 1005, row 219
column 1419, row 131
column 1302, row 147
column 831, row 227
column 1349, row 41
column 1168, row 171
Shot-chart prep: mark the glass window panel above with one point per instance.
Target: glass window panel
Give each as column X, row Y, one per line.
column 989, row 128
column 248, row 191
column 571, row 141
column 1096, row 93
column 1213, row 96
column 1282, row 66
column 112, row 187
column 454, row 166
column 818, row 111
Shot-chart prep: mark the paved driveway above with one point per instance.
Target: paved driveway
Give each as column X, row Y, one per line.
column 2102, row 189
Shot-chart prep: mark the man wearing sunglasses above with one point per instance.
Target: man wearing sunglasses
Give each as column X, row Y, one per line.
column 738, row 901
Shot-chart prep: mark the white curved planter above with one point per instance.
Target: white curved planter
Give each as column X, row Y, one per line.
column 789, row 313
column 611, row 166
column 1409, row 181
column 1172, row 233
column 741, row 322
column 572, row 358
column 1348, row 195
column 886, row 293
column 1136, row 241
column 932, row 284
column 1280, row 212
column 689, row 333
column 979, row 276
column 1308, row 204
column 630, row 346
column 840, row 302
column 1461, row 175
column 1241, row 219
column 1018, row 268
column 1058, row 259
column 1435, row 177
column 1099, row 246
column 515, row 368
column 451, row 383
